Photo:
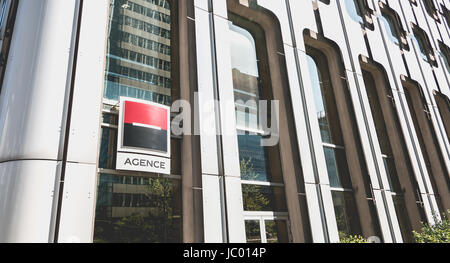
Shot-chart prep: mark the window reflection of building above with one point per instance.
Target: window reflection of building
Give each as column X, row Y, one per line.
column 143, row 209
column 333, row 144
column 137, row 207
column 8, row 9
column 262, row 183
column 139, row 51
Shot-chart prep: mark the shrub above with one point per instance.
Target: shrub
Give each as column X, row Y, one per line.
column 348, row 239
column 437, row 233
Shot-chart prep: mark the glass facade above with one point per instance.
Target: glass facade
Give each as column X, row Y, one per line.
column 139, row 51
column 137, row 207
column 133, row 209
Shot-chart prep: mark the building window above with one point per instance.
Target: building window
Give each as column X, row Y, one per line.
column 444, row 53
column 333, row 144
column 393, row 26
column 431, row 9
column 446, row 14
column 360, row 12
column 137, row 207
column 443, row 103
column 8, row 9
column 265, row 210
column 388, row 140
column 431, row 152
column 424, row 47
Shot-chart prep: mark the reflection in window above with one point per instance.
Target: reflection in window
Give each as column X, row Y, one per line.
column 346, row 214
column 423, row 43
column 335, row 160
column 263, row 198
column 354, row 10
column 260, row 166
column 359, row 11
column 391, row 28
column 8, row 10
column 255, row 165
column 253, row 231
column 137, row 210
column 131, row 207
column 108, row 148
column 420, row 43
column 246, row 81
column 333, row 143
column 276, row 231
column 329, row 124
column 266, row 230
column 139, row 51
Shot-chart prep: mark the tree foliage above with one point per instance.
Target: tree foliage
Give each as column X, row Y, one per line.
column 347, row 239
column 437, row 233
column 253, row 196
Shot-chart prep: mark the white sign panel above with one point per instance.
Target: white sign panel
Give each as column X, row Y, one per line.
column 143, row 163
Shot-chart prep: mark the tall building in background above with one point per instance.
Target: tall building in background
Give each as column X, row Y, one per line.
column 361, row 123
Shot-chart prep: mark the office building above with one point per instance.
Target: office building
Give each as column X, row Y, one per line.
column 358, row 104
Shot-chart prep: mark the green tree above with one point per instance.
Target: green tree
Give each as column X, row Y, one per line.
column 437, row 233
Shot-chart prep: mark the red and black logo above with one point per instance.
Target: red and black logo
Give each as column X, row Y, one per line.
column 145, row 126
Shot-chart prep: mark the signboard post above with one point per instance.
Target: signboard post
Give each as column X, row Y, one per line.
column 144, row 137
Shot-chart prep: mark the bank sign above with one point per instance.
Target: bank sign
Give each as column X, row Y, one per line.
column 144, row 137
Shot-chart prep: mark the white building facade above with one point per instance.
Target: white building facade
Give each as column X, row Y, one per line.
column 363, row 121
